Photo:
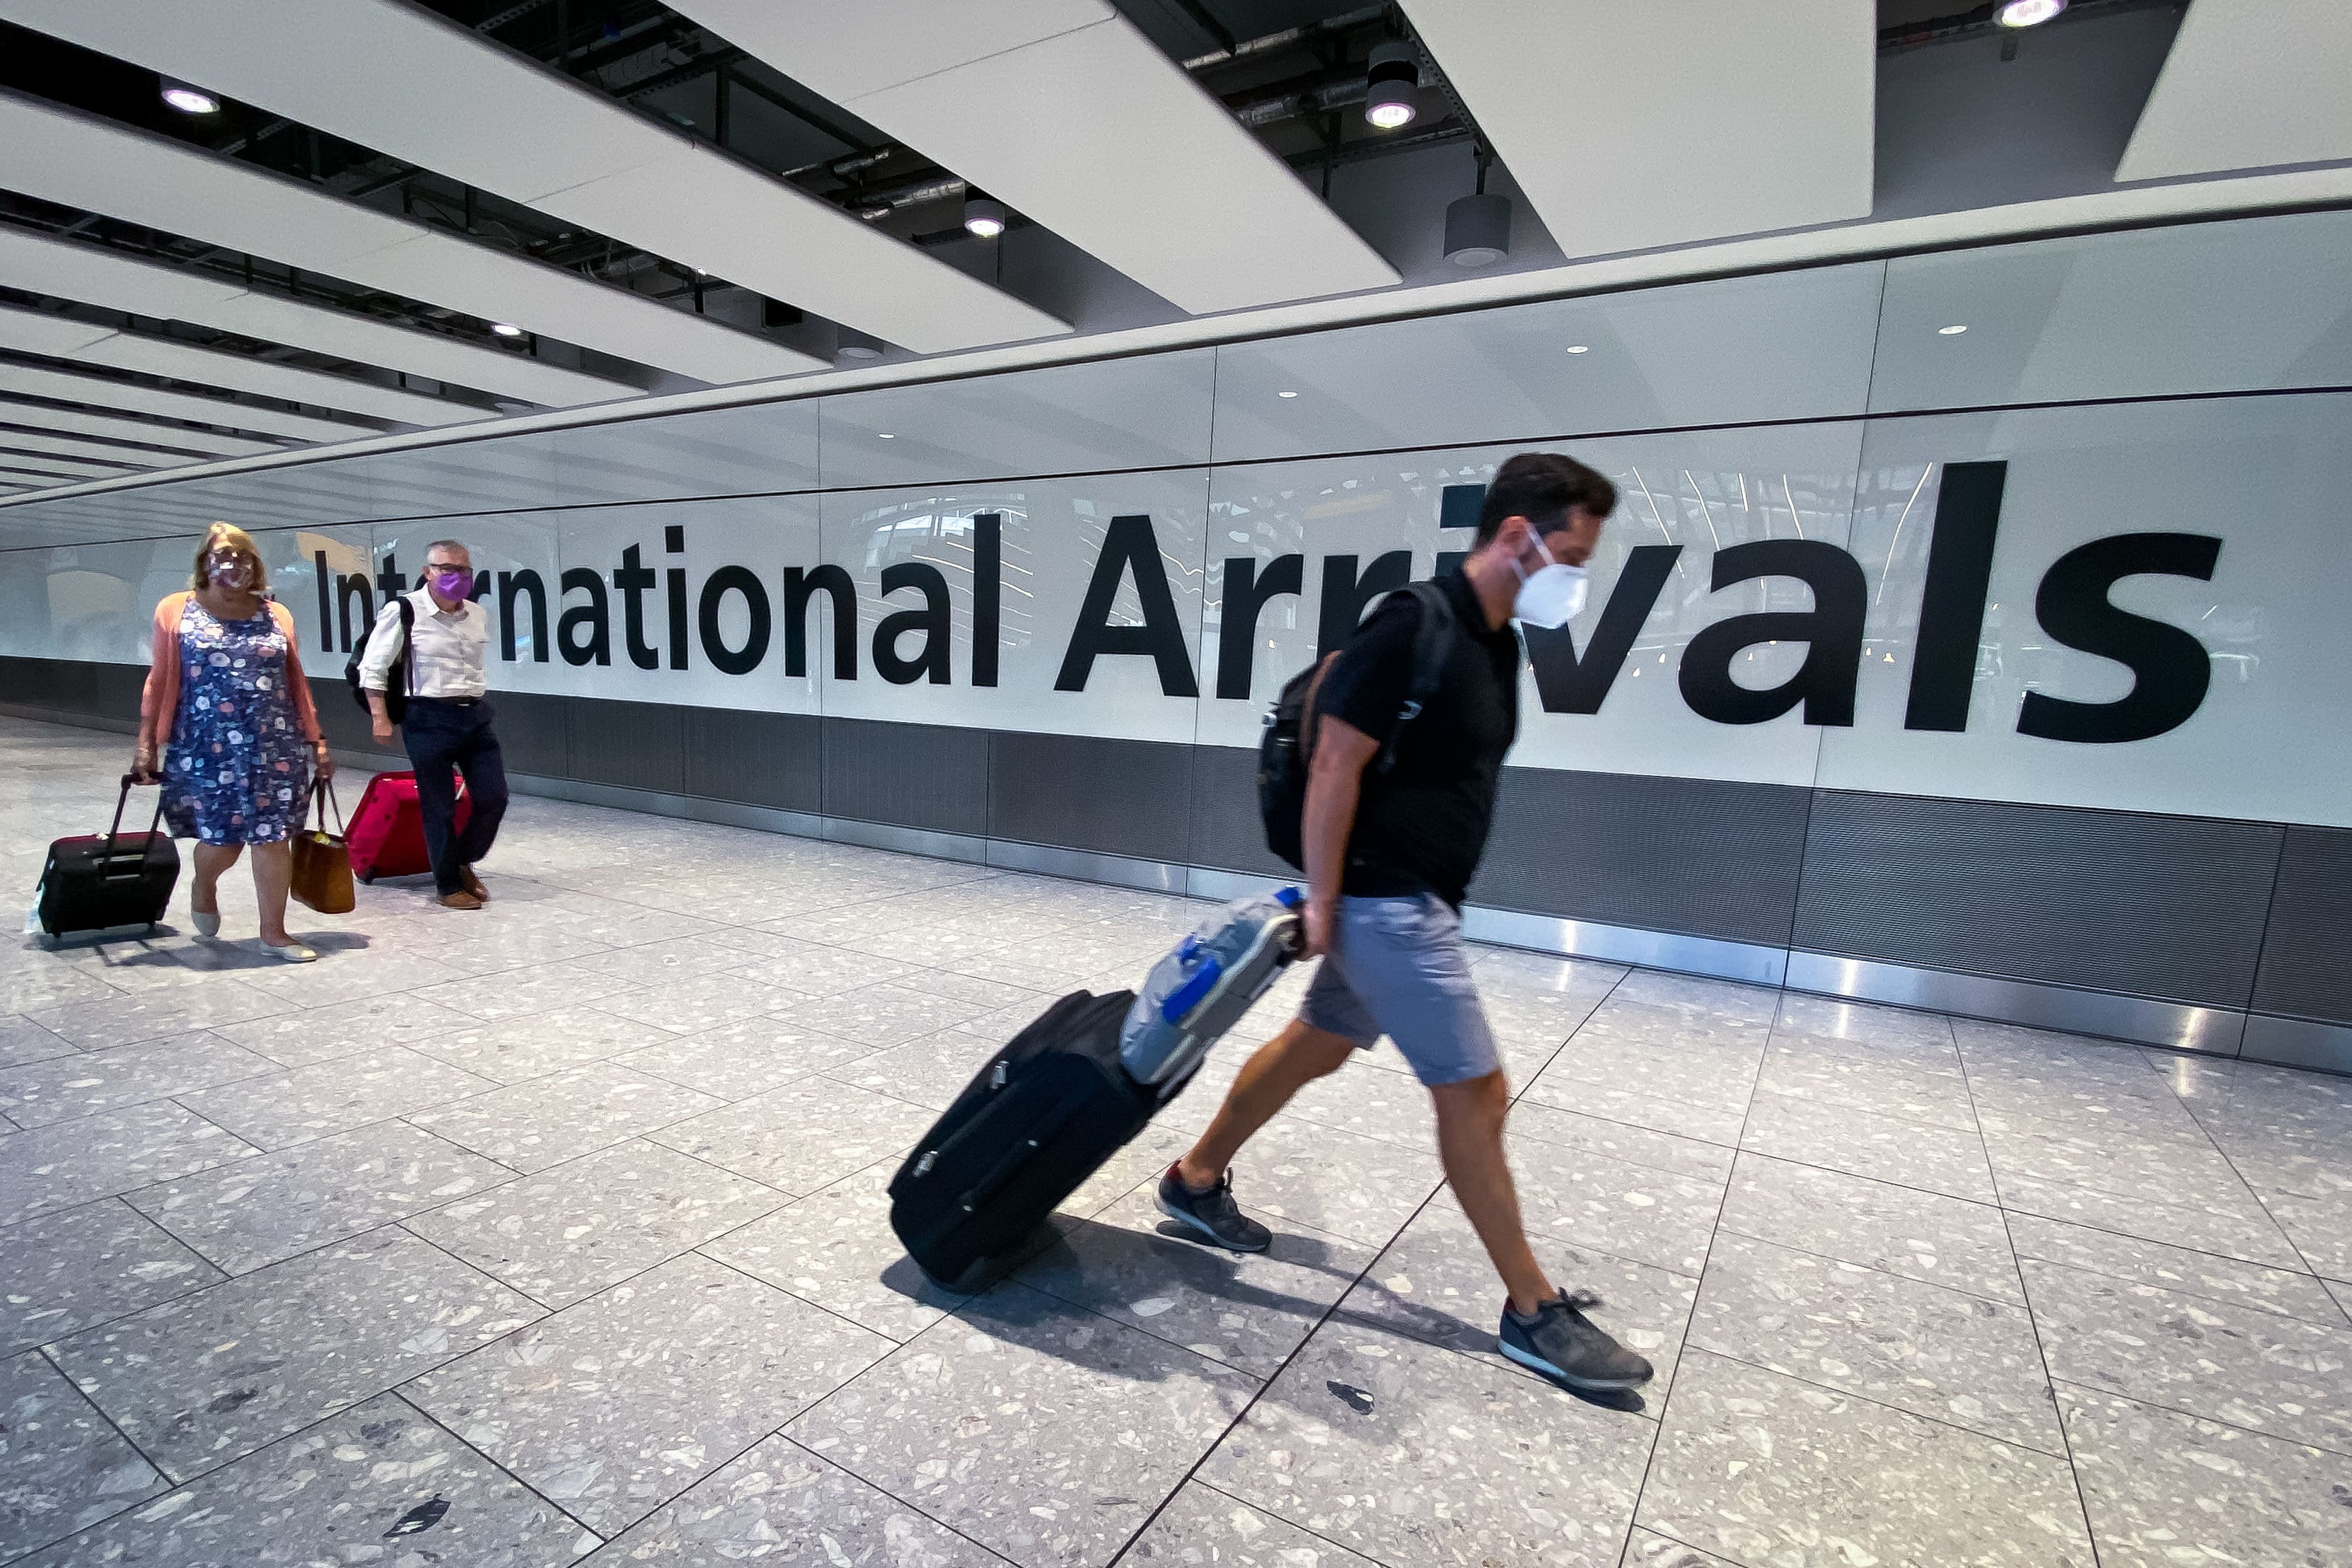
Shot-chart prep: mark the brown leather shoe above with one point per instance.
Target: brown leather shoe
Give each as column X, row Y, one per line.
column 460, row 899
column 473, row 883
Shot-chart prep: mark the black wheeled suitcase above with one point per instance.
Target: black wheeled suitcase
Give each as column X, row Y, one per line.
column 1037, row 1120
column 102, row 881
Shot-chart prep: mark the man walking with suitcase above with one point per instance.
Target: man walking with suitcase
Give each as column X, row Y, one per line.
column 1390, row 853
column 447, row 723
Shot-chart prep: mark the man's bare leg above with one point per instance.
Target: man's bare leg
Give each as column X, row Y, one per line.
column 1280, row 1069
column 1470, row 1142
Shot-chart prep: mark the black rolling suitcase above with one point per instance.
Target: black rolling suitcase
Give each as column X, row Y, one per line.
column 102, row 881
column 1038, row 1119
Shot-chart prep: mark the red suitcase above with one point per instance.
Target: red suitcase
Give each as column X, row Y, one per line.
column 385, row 835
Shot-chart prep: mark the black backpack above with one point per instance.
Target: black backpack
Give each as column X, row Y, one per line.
column 396, row 679
column 1286, row 751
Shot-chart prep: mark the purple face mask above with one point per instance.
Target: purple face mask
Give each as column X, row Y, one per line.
column 453, row 583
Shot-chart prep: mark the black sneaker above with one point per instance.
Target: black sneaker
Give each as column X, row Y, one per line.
column 1213, row 1214
column 1568, row 1348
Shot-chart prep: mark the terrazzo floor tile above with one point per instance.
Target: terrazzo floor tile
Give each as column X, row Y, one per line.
column 881, row 1014
column 200, row 1381
column 42, row 1093
column 62, row 1465
column 1648, row 1549
column 737, row 1060
column 1622, row 1141
column 543, row 986
column 669, row 959
column 817, row 971
column 533, row 1125
column 1200, row 1526
column 836, row 1247
column 1919, row 1037
column 1612, row 1205
column 2164, row 1488
column 261, row 1210
column 1838, row 1078
column 1411, row 1454
column 1762, row 1468
column 930, row 1072
column 538, row 1045
column 572, row 1230
column 1899, row 1229
column 972, row 988
column 1134, row 1266
column 1839, row 1137
column 1340, row 1184
column 2252, row 1235
column 312, row 1035
column 96, row 1025
column 1044, row 1433
column 807, row 1134
column 81, row 1266
column 778, row 1503
column 335, row 1494
column 613, row 1406
column 702, row 1002
column 2177, row 1269
column 1941, row 1353
column 23, row 1040
column 1715, row 1123
column 97, row 1157
column 283, row 1109
column 1435, row 1282
column 1390, row 1106
column 2251, row 1368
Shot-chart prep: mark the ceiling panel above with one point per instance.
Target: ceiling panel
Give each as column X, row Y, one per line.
column 499, row 122
column 1063, row 110
column 71, row 386
column 59, row 336
column 69, row 467
column 80, row 160
column 67, row 269
column 2250, row 84
column 94, row 451
column 81, row 422
column 1632, row 126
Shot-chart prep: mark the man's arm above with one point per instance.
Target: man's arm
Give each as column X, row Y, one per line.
column 1333, row 781
column 384, row 646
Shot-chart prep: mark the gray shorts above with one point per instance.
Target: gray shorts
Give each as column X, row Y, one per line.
column 1397, row 968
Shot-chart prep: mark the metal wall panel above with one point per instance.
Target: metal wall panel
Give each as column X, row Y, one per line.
column 1226, row 830
column 1699, row 856
column 913, row 775
column 759, row 759
column 2155, row 906
column 641, row 746
column 534, row 733
column 2306, row 964
column 1083, row 792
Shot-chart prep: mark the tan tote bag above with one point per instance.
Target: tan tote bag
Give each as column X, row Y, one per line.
column 322, row 866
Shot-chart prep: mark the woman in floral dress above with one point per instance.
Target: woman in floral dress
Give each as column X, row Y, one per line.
column 228, row 711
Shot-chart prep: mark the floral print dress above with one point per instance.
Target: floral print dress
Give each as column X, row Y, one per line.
column 238, row 771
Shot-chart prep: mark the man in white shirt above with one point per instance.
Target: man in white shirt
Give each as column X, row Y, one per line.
column 447, row 723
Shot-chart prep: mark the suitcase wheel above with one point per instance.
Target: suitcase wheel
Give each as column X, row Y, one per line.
column 369, row 879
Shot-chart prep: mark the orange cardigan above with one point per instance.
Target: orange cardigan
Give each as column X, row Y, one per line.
column 159, row 704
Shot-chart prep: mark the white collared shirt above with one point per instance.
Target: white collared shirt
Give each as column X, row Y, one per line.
column 452, row 646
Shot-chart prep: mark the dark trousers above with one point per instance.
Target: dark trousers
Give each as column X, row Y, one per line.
column 445, row 735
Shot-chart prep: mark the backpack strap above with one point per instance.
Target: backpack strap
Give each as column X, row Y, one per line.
column 1433, row 641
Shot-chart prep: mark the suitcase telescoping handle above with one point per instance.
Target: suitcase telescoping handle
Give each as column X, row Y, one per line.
column 114, row 828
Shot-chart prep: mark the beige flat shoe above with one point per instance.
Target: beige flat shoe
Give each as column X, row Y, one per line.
column 292, row 953
column 206, row 925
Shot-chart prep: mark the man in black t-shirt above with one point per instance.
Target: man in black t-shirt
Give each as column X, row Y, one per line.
column 1390, row 851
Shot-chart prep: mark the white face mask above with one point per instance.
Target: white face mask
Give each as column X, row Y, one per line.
column 1550, row 596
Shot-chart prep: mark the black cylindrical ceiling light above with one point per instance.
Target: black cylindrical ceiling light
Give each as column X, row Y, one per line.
column 1392, row 99
column 983, row 217
column 1478, row 230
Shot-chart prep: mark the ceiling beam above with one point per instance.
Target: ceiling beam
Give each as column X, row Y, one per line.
column 81, row 422
column 72, row 386
column 93, row 275
column 1630, row 127
column 93, row 450
column 501, row 122
column 56, row 337
column 95, row 165
column 2248, row 84
column 64, row 468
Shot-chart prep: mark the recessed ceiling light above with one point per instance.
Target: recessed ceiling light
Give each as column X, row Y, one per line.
column 1286, row 394
column 506, row 328
column 2029, row 13
column 884, row 436
column 1580, row 347
column 1954, row 330
column 189, row 100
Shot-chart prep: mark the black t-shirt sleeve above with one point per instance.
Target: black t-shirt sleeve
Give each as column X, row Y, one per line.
column 1367, row 682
